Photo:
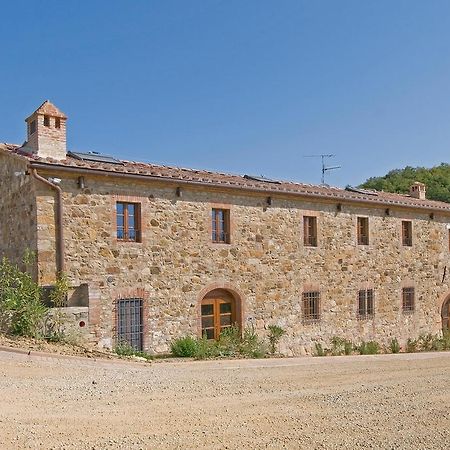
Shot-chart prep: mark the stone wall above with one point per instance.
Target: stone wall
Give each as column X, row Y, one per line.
column 17, row 209
column 266, row 263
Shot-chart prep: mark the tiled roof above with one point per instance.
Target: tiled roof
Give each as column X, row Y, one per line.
column 50, row 109
column 217, row 179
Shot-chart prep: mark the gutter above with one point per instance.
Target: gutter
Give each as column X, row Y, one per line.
column 177, row 182
column 60, row 252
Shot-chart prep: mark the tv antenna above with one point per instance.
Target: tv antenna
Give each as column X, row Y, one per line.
column 324, row 168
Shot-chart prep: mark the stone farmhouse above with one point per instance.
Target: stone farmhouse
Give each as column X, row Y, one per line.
column 155, row 252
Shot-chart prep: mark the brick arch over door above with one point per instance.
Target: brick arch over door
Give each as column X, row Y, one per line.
column 217, row 293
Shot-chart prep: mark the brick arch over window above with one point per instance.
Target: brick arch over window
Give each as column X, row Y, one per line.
column 225, row 291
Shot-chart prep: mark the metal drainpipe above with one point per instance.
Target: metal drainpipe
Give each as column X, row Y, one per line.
column 60, row 257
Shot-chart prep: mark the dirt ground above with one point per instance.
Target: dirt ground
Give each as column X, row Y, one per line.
column 387, row 401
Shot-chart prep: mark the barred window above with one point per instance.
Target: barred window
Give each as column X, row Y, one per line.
column 408, row 299
column 129, row 322
column 311, row 306
column 363, row 230
column 310, row 231
column 366, row 307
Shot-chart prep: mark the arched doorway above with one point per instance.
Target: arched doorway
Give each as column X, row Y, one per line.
column 446, row 315
column 219, row 310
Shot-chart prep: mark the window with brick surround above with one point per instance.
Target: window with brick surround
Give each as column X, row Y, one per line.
column 407, row 233
column 128, row 221
column 130, row 323
column 311, row 306
column 310, row 231
column 46, row 121
column 363, row 230
column 408, row 299
column 366, row 309
column 220, row 225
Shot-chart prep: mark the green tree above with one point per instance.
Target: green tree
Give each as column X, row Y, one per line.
column 437, row 180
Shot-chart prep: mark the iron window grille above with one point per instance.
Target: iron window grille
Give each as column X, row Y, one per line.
column 129, row 322
column 310, row 231
column 363, row 230
column 311, row 306
column 128, row 216
column 220, row 226
column 408, row 299
column 366, row 307
column 407, row 233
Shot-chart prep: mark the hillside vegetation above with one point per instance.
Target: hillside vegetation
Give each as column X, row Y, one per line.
column 437, row 180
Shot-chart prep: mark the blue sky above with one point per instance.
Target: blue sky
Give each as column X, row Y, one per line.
column 237, row 86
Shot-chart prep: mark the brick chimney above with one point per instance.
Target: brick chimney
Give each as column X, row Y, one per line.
column 46, row 132
column 418, row 190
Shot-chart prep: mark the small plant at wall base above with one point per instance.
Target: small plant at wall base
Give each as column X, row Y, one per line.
column 394, row 346
column 275, row 334
column 123, row 348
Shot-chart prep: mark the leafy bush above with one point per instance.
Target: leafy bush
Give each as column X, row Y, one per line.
column 369, row 348
column 341, row 346
column 394, row 346
column 425, row 342
column 319, row 351
column 252, row 346
column 123, row 348
column 275, row 334
column 446, row 340
column 411, row 345
column 21, row 308
column 184, row 346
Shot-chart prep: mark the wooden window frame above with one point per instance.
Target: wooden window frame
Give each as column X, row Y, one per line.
column 407, row 234
column 408, row 299
column 217, row 315
column 137, row 222
column 310, row 231
column 311, row 311
column 366, row 304
column 362, row 227
column 220, row 229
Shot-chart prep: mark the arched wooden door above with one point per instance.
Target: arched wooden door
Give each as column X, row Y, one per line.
column 218, row 311
column 446, row 315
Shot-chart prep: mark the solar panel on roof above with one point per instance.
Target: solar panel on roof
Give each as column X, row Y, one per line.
column 261, row 178
column 360, row 191
column 94, row 156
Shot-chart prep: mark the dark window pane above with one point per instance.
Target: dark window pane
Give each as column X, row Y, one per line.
column 225, row 319
column 207, row 322
column 225, row 308
column 209, row 333
column 207, row 310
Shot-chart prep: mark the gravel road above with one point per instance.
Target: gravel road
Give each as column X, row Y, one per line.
column 387, row 401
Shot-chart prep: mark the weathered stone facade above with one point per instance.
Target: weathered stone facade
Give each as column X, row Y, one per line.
column 266, row 266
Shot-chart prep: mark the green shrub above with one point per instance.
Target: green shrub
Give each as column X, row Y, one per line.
column 318, row 349
column 123, row 348
column 184, row 347
column 22, row 311
column 446, row 340
column 252, row 346
column 411, row 345
column 275, row 334
column 369, row 348
column 341, row 346
column 394, row 346
column 425, row 342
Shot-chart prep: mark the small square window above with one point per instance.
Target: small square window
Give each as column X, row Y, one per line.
column 408, row 299
column 311, row 306
column 407, row 233
column 363, row 230
column 220, row 225
column 128, row 221
column 46, row 121
column 310, row 231
column 366, row 309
